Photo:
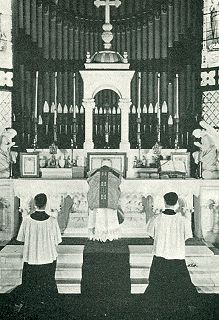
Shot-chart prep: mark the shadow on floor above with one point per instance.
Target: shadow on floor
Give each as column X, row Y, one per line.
column 70, row 307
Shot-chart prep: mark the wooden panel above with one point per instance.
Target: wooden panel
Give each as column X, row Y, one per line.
column 96, row 39
column 71, row 43
column 46, row 32
column 150, row 88
column 21, row 13
column 170, row 98
column 27, row 16
column 34, row 20
column 189, row 11
column 118, row 41
column 21, row 82
column 53, row 35
column 128, row 42
column 164, row 33
column 139, row 47
column 28, row 100
column 59, row 40
column 182, row 16
column 65, row 88
column 157, row 37
column 182, row 96
column 39, row 26
column 70, row 88
column 176, row 20
column 133, row 41
column 65, row 42
column 91, row 41
column 76, row 43
column 150, row 38
column 82, row 40
column 188, row 85
column 170, row 26
column 59, row 89
column 144, row 41
column 123, row 41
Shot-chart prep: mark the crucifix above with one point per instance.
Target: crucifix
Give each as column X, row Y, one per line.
column 107, row 4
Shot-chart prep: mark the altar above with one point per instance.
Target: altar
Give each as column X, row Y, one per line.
column 140, row 199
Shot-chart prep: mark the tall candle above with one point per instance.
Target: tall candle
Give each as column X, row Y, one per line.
column 55, row 111
column 158, row 97
column 139, row 95
column 74, row 89
column 36, row 93
column 177, row 96
column 158, row 105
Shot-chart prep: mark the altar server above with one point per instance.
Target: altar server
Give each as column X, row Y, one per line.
column 41, row 235
column 169, row 279
column 103, row 196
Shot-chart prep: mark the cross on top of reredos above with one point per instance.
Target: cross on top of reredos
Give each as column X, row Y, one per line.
column 107, row 4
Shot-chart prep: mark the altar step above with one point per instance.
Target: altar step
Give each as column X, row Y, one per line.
column 68, row 271
column 203, row 268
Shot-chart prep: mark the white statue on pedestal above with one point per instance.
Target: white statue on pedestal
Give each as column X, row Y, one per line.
column 6, row 159
column 208, row 153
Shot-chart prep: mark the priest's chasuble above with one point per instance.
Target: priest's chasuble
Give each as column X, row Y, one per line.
column 103, row 197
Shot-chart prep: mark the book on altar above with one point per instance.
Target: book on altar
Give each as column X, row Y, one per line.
column 173, row 166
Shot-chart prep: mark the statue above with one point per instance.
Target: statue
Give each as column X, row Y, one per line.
column 6, row 159
column 214, row 9
column 208, row 153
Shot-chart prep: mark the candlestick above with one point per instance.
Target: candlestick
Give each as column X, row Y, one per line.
column 170, row 126
column 139, row 95
column 158, row 107
column 74, row 98
column 55, row 109
column 177, row 96
column 36, row 93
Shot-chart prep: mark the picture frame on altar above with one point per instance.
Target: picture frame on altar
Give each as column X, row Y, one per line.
column 116, row 160
column 183, row 157
column 29, row 165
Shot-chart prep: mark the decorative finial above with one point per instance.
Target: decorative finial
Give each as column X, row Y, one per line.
column 107, row 35
column 125, row 57
column 88, row 59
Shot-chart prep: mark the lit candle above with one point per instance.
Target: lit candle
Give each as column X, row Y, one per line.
column 177, row 96
column 36, row 94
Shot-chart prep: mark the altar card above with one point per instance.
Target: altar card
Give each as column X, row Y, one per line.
column 172, row 167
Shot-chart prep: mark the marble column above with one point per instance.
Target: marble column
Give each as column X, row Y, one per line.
column 124, row 105
column 89, row 105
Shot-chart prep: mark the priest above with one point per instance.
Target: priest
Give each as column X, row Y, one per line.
column 103, row 196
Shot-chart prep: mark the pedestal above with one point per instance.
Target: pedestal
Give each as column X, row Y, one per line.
column 89, row 105
column 124, row 105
